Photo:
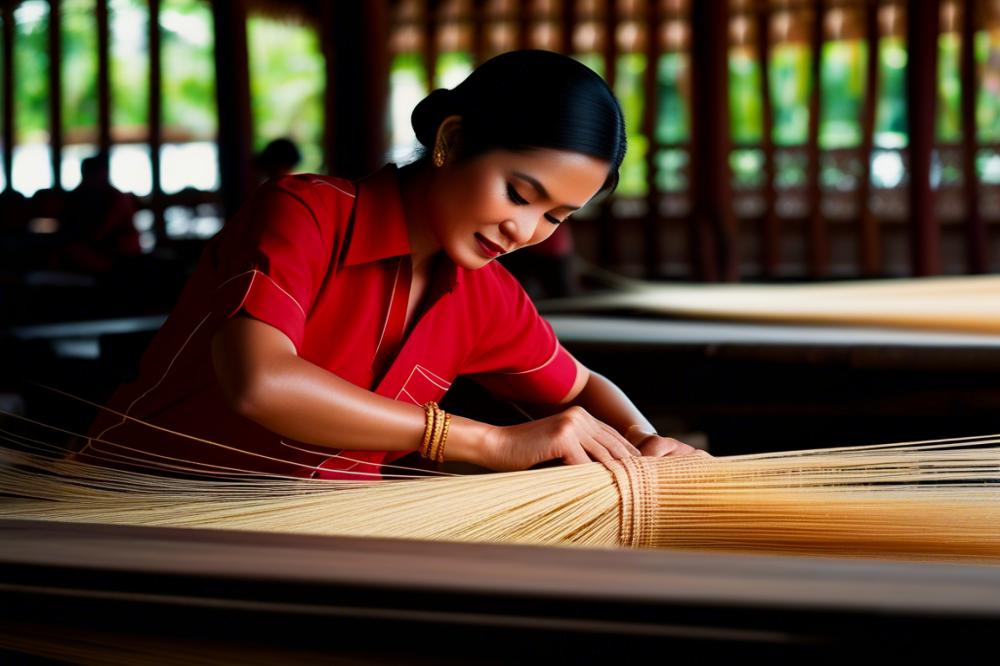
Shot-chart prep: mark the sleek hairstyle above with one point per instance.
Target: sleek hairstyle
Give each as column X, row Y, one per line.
column 528, row 99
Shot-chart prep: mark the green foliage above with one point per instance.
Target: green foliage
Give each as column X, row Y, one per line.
column 842, row 78
column 890, row 113
column 31, row 65
column 745, row 108
column 987, row 54
column 595, row 61
column 129, row 67
column 287, row 79
column 79, row 66
column 673, row 123
column 949, row 102
column 188, row 69
column 629, row 91
column 671, row 174
column 791, row 85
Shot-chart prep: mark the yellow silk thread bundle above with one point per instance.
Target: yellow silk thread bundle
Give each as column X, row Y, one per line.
column 921, row 500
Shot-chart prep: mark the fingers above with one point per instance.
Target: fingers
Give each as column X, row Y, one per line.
column 619, row 441
column 581, row 438
column 576, row 455
column 594, row 431
column 667, row 446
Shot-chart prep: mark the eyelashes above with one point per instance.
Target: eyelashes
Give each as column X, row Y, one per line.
column 515, row 198
column 518, row 200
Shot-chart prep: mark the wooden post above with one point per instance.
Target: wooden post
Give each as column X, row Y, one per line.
column 430, row 42
column 608, row 251
column 923, row 17
column 869, row 245
column 568, row 26
column 55, row 94
column 327, row 39
column 711, row 237
column 232, row 87
column 8, row 93
column 478, row 32
column 361, row 87
column 524, row 24
column 103, row 78
column 156, row 120
column 650, row 111
column 817, row 241
column 977, row 238
column 770, row 230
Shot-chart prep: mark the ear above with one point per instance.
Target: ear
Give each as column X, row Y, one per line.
column 450, row 133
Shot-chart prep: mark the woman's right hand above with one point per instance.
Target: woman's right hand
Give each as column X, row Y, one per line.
column 573, row 436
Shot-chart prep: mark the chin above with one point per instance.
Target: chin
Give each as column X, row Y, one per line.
column 467, row 258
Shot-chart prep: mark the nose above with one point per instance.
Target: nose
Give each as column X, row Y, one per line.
column 518, row 230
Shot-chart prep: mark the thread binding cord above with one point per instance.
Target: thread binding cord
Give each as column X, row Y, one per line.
column 635, row 482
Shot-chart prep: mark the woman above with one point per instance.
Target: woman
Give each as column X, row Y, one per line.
column 328, row 313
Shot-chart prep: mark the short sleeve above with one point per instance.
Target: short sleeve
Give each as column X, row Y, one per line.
column 518, row 356
column 272, row 258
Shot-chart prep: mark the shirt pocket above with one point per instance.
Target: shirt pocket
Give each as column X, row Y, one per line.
column 422, row 386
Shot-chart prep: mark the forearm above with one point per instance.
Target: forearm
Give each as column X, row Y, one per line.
column 608, row 403
column 264, row 381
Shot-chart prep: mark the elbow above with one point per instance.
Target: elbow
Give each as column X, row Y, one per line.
column 245, row 394
column 244, row 386
column 247, row 401
column 250, row 362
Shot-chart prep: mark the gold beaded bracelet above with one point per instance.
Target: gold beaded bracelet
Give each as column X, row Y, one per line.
column 438, row 431
column 436, row 426
column 430, row 412
column 444, row 437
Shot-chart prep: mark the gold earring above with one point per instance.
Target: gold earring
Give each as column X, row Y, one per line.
column 439, row 156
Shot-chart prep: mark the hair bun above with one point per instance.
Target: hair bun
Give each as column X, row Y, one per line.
column 429, row 113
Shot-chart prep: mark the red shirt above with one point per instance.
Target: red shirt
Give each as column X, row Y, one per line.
column 337, row 285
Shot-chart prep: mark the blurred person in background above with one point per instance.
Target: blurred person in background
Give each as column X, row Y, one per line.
column 97, row 227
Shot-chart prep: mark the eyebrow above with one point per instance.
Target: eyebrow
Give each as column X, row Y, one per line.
column 541, row 188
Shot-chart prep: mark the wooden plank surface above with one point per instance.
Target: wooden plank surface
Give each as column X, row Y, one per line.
column 585, row 575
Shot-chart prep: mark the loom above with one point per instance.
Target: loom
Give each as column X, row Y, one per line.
column 723, row 604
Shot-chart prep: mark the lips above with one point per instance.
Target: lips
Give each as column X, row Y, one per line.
column 489, row 248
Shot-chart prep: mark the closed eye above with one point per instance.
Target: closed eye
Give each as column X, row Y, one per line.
column 518, row 200
column 514, row 196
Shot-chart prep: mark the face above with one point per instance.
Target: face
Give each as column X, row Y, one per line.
column 506, row 201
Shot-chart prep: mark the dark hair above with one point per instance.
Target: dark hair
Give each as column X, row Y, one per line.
column 95, row 165
column 527, row 99
column 280, row 153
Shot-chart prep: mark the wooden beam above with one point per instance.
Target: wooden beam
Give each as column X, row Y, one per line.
column 103, row 77
column 817, row 241
column 478, row 32
column 650, row 112
column 923, row 17
column 9, row 138
column 524, row 24
column 430, row 42
column 156, row 119
column 770, row 230
column 327, row 39
column 711, row 237
column 232, row 76
column 869, row 241
column 608, row 253
column 568, row 26
column 977, row 237
column 55, row 93
column 361, row 87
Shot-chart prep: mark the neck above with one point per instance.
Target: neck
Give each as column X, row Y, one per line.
column 415, row 183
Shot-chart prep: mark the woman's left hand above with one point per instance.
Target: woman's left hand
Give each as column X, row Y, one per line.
column 651, row 444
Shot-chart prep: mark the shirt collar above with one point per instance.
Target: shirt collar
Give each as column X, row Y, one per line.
column 380, row 230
